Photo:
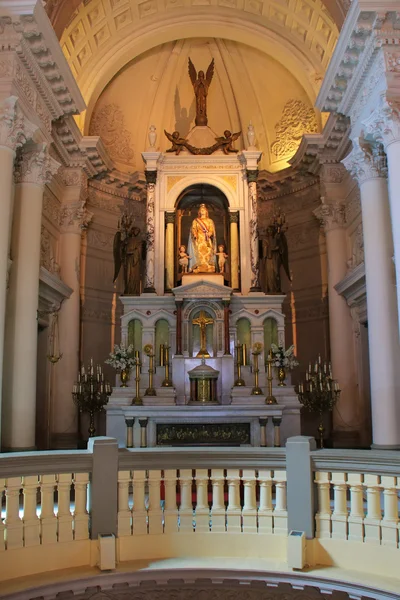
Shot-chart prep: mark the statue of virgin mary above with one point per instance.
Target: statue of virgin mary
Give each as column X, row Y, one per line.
column 202, row 244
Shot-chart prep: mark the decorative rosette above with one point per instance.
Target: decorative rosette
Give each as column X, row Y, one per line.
column 148, row 349
column 257, row 348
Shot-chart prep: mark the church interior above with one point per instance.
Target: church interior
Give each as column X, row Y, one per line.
column 199, row 315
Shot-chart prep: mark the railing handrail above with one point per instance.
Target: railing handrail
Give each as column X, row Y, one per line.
column 16, row 464
column 374, row 462
column 198, row 457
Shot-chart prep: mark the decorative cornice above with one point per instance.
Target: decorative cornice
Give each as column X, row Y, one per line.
column 383, row 125
column 15, row 129
column 331, row 216
column 366, row 161
column 34, row 165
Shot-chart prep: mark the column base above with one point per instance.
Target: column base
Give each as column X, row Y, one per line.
column 255, row 289
column 29, row 449
column 385, row 447
column 150, row 290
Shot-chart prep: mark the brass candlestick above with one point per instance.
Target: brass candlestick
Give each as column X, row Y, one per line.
column 148, row 350
column 167, row 381
column 257, row 348
column 91, row 392
column 239, row 357
column 270, row 399
column 137, row 399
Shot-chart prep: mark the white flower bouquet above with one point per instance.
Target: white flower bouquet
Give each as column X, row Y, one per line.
column 284, row 358
column 122, row 358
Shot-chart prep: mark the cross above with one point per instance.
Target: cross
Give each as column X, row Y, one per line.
column 202, row 321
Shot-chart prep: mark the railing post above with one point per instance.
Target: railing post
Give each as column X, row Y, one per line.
column 300, row 485
column 104, row 486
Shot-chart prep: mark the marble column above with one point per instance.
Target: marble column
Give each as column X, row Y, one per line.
column 169, row 250
column 384, row 126
column 178, row 305
column 234, row 250
column 333, row 219
column 74, row 221
column 227, row 350
column 34, row 168
column 254, row 258
column 383, row 335
column 15, row 130
column 151, row 178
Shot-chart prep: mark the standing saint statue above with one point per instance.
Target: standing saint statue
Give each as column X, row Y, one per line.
column 200, row 86
column 128, row 254
column 202, row 245
column 275, row 256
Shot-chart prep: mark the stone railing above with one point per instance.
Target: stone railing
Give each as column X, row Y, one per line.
column 169, row 503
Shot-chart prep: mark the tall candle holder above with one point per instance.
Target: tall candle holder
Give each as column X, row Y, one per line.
column 256, row 351
column 91, row 392
column 270, row 399
column 137, row 399
column 239, row 363
column 167, row 381
column 148, row 350
column 319, row 393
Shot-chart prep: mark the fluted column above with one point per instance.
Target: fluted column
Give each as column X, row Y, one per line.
column 151, row 178
column 234, row 250
column 384, row 126
column 254, row 257
column 74, row 221
column 169, row 249
column 14, row 132
column 34, row 169
column 366, row 165
column 333, row 220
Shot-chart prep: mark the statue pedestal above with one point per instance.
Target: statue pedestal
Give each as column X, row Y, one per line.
column 190, row 278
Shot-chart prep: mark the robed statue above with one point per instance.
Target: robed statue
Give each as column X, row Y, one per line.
column 202, row 244
column 275, row 256
column 128, row 254
column 201, row 84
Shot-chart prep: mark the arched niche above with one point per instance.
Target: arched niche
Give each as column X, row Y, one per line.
column 243, row 335
column 135, row 334
column 210, row 334
column 161, row 337
column 270, row 326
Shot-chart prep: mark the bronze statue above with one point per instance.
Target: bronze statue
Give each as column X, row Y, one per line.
column 200, row 86
column 275, row 256
column 177, row 142
column 128, row 253
column 225, row 143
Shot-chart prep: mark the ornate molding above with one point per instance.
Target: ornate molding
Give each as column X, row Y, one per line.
column 383, row 125
column 15, row 129
column 34, row 165
column 109, row 123
column 75, row 217
column 365, row 161
column 297, row 119
column 331, row 216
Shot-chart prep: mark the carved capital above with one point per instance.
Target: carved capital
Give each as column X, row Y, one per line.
column 366, row 161
column 252, row 175
column 234, row 217
column 169, row 218
column 331, row 216
column 75, row 217
column 151, row 177
column 34, row 165
column 15, row 129
column 383, row 125
column 332, row 173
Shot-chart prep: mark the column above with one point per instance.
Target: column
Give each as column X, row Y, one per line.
column 34, row 169
column 254, row 259
column 227, row 350
column 381, row 295
column 74, row 221
column 178, row 305
column 169, row 250
column 234, row 250
column 333, row 219
column 14, row 131
column 151, row 178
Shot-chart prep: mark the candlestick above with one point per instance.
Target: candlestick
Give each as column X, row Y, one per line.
column 167, row 381
column 239, row 357
column 270, row 399
column 137, row 399
column 89, row 394
column 148, row 350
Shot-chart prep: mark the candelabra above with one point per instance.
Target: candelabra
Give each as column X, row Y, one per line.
column 137, row 399
column 148, row 350
column 164, row 351
column 239, row 363
column 257, row 348
column 91, row 392
column 319, row 393
column 270, row 399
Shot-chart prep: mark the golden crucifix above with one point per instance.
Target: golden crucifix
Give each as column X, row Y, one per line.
column 202, row 321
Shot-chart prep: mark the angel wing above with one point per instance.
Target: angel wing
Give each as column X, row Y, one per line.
column 235, row 136
column 210, row 72
column 117, row 247
column 284, row 252
column 192, row 72
column 169, row 136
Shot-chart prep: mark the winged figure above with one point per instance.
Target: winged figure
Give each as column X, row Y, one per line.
column 225, row 143
column 201, row 84
column 127, row 254
column 178, row 143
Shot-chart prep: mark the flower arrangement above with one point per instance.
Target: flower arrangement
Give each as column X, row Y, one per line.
column 122, row 358
column 285, row 359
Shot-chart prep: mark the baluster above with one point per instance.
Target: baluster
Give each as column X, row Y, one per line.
column 250, row 505
column 280, row 512
column 139, row 514
column 154, row 509
column 390, row 512
column 170, row 506
column 186, row 507
column 356, row 517
column 339, row 515
column 202, row 512
column 48, row 520
column 65, row 520
column 81, row 517
column 30, row 519
column 234, row 510
column 218, row 505
column 124, row 512
column 14, row 525
column 372, row 521
column 323, row 516
column 2, row 526
column 265, row 511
